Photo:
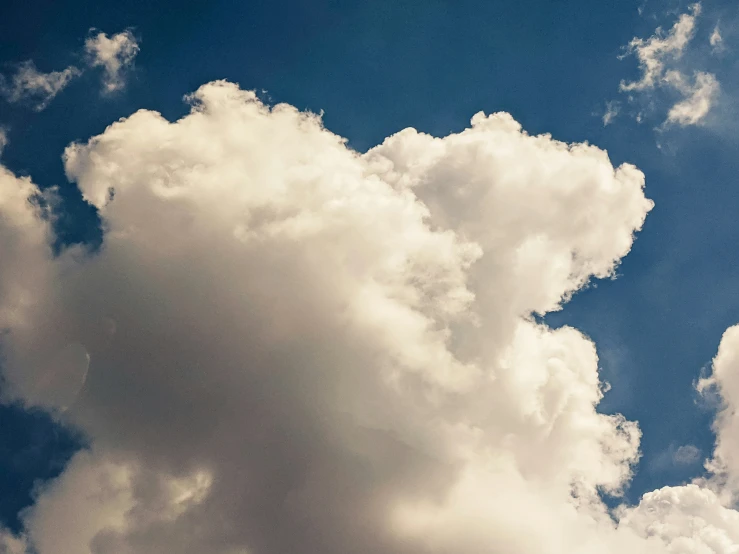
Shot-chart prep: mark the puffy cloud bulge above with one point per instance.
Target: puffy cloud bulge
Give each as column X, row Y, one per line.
column 295, row 347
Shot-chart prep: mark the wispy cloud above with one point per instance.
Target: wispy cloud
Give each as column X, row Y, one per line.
column 699, row 97
column 115, row 54
column 28, row 84
column 716, row 40
column 613, row 108
column 653, row 52
column 659, row 56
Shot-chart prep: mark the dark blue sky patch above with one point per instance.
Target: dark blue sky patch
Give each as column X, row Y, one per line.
column 33, row 448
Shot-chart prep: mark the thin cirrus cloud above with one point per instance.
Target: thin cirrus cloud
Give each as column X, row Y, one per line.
column 295, row 347
column 113, row 54
column 659, row 58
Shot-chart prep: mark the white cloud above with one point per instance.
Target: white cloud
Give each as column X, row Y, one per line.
column 700, row 517
column 700, row 96
column 688, row 519
column 655, row 51
column 24, row 248
column 716, row 40
column 28, row 84
column 3, row 139
column 658, row 60
column 298, row 348
column 115, row 54
column 612, row 110
column 675, row 456
column 724, row 380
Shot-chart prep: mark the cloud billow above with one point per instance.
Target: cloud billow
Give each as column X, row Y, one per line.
column 295, row 347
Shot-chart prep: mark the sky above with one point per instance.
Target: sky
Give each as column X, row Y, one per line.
column 400, row 277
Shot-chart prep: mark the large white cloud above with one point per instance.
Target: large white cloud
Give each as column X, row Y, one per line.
column 295, row 347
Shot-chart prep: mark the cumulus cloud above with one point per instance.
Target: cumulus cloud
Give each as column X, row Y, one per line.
column 701, row 517
column 295, row 347
column 30, row 85
column 724, row 381
column 659, row 57
column 114, row 54
column 676, row 456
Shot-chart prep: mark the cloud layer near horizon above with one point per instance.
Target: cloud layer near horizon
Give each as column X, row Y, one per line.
column 294, row 347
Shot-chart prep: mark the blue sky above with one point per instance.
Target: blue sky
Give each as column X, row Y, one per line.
column 374, row 68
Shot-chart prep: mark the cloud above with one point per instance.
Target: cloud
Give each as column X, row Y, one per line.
column 3, row 139
column 115, row 54
column 29, row 85
column 716, row 40
column 689, row 519
column 10, row 544
column 701, row 517
column 24, row 247
column 612, row 110
column 295, row 347
column 724, row 381
column 658, row 58
column 655, row 51
column 700, row 96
